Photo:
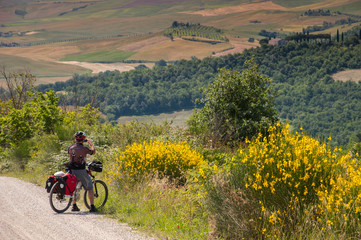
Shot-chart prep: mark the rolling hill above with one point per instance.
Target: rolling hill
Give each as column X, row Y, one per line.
column 49, row 31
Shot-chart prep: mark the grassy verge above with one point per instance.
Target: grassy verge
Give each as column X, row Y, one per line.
column 283, row 186
column 159, row 208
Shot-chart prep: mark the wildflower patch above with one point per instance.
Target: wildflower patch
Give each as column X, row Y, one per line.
column 169, row 159
column 293, row 172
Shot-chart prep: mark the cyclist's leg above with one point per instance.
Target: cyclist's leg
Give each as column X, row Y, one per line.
column 74, row 198
column 88, row 185
column 91, row 196
column 83, row 176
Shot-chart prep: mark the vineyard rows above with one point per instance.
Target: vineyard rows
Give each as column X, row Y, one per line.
column 196, row 31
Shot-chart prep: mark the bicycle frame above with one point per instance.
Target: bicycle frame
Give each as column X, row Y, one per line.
column 100, row 193
column 93, row 181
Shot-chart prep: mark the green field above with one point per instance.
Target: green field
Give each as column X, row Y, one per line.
column 102, row 56
column 291, row 4
column 39, row 68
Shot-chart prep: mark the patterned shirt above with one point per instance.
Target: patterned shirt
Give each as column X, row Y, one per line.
column 77, row 155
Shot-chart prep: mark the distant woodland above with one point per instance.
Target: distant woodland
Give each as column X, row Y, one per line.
column 301, row 74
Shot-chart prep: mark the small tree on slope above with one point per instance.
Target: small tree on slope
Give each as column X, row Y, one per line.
column 236, row 106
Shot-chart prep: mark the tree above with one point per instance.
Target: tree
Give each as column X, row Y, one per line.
column 19, row 86
column 40, row 114
column 175, row 24
column 263, row 41
column 236, row 106
column 338, row 36
column 161, row 63
column 47, row 112
column 141, row 66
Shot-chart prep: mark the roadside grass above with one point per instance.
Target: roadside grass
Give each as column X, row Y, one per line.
column 160, row 208
column 283, row 186
column 152, row 206
column 156, row 206
column 101, row 56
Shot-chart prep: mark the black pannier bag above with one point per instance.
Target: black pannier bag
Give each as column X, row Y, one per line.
column 96, row 166
column 50, row 182
column 62, row 184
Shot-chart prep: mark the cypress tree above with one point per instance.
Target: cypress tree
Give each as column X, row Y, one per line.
column 338, row 36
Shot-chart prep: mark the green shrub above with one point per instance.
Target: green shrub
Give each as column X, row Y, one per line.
column 48, row 155
column 236, row 106
column 20, row 154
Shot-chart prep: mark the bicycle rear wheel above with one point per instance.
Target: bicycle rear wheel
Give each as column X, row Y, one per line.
column 100, row 194
column 59, row 202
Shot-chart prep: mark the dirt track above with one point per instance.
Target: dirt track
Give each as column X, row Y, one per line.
column 25, row 214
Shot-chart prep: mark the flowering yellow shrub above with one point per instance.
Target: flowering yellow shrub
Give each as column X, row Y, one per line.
column 284, row 184
column 341, row 203
column 285, row 170
column 161, row 157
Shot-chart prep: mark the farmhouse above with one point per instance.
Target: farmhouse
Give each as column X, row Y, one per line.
column 277, row 42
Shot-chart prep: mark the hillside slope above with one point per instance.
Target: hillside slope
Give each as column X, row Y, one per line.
column 68, row 28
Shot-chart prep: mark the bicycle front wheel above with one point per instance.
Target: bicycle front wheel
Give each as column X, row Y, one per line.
column 100, row 194
column 59, row 202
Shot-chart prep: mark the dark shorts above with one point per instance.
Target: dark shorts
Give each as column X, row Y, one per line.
column 83, row 176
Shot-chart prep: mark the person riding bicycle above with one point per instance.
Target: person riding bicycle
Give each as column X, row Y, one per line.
column 77, row 154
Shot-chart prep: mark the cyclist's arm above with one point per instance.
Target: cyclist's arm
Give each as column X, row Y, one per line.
column 91, row 145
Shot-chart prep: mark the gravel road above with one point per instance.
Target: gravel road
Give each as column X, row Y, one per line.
column 25, row 214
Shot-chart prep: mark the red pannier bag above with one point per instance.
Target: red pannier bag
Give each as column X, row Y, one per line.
column 70, row 180
column 67, row 183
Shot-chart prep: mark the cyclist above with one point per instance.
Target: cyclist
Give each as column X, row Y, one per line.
column 77, row 154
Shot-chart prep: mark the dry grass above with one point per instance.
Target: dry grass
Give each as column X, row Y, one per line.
column 179, row 49
column 50, row 9
column 270, row 6
column 102, row 67
column 241, row 21
column 41, row 80
column 178, row 119
column 50, row 52
column 46, row 80
column 38, row 67
column 348, row 75
column 144, row 44
column 324, row 5
column 6, row 14
column 239, row 45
